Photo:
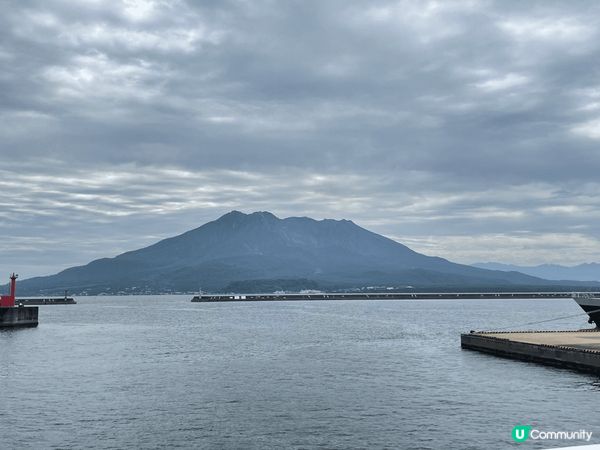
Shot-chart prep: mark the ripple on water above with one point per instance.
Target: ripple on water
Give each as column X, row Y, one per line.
column 158, row 372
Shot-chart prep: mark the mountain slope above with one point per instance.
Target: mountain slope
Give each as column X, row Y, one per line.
column 246, row 248
column 581, row 272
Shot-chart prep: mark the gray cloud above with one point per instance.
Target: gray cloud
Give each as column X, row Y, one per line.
column 464, row 129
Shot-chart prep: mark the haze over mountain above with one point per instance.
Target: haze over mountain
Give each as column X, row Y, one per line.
column 581, row 272
column 249, row 252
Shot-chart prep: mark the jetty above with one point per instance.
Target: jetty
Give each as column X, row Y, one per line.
column 16, row 316
column 46, row 301
column 379, row 296
column 578, row 350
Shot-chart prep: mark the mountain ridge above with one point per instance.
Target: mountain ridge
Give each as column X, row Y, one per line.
column 579, row 272
column 239, row 249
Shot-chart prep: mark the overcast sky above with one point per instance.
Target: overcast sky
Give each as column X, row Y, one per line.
column 468, row 130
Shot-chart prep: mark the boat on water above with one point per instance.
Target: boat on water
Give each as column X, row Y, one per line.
column 590, row 303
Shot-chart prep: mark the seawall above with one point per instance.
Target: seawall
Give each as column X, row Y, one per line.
column 378, row 296
column 19, row 316
column 578, row 350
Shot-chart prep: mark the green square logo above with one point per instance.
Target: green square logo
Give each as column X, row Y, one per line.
column 520, row 433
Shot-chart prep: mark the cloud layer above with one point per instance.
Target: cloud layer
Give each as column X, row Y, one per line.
column 468, row 130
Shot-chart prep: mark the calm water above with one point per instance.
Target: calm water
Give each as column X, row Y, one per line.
column 155, row 372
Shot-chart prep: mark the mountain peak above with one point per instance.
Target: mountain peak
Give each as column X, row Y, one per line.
column 264, row 214
column 232, row 215
column 238, row 215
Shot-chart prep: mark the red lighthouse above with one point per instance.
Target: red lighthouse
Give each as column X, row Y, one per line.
column 10, row 315
column 8, row 301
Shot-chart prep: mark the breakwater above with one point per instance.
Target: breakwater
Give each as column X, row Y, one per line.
column 46, row 301
column 15, row 316
column 578, row 350
column 379, row 296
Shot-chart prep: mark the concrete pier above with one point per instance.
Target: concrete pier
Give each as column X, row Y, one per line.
column 19, row 316
column 578, row 350
column 379, row 296
column 46, row 301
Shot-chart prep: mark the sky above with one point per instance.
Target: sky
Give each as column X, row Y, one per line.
column 468, row 130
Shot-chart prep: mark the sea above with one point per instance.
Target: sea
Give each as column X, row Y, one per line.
column 162, row 372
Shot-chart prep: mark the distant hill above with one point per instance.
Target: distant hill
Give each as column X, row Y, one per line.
column 581, row 272
column 259, row 251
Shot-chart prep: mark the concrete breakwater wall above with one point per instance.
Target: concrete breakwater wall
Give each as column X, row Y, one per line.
column 46, row 301
column 378, row 296
column 19, row 317
column 578, row 350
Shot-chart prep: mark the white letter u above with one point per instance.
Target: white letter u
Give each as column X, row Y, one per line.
column 520, row 433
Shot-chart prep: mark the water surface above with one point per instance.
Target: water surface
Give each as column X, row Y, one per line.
column 159, row 371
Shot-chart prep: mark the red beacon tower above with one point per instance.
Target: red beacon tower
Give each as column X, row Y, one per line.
column 8, row 301
column 10, row 316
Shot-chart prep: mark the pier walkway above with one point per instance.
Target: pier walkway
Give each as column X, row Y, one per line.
column 578, row 350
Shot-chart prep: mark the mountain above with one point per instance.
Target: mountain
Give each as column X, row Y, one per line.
column 250, row 252
column 581, row 272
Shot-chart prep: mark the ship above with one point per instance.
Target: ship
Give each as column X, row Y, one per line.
column 590, row 303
